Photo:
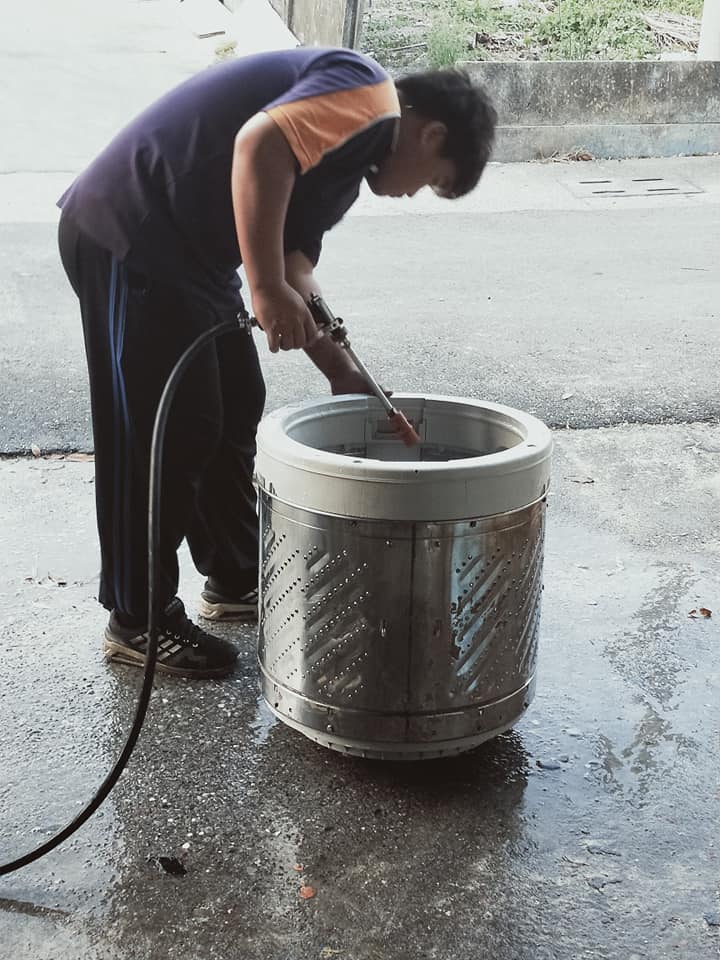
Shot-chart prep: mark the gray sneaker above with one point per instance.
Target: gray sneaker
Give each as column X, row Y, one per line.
column 183, row 648
column 216, row 604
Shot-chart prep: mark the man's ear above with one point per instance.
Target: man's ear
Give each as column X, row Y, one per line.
column 433, row 134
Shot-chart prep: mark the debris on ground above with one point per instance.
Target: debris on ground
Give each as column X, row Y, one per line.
column 600, row 850
column 599, row 883
column 48, row 581
column 307, row 893
column 500, row 45
column 674, row 29
column 580, row 154
column 170, row 865
column 700, row 612
column 76, row 457
column 574, row 863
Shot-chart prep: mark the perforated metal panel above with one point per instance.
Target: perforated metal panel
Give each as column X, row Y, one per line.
column 393, row 638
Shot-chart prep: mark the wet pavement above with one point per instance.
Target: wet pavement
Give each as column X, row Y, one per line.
column 589, row 831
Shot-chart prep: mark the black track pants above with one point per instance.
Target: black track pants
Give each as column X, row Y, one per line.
column 136, row 328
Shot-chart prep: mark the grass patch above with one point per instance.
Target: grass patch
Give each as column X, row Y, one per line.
column 446, row 42
column 492, row 17
column 439, row 33
column 602, row 30
column 688, row 8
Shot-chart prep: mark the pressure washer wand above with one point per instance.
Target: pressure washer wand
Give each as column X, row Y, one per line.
column 333, row 326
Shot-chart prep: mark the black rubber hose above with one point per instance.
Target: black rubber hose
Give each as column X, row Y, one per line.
column 156, row 451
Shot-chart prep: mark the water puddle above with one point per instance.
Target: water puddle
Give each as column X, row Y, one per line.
column 263, row 722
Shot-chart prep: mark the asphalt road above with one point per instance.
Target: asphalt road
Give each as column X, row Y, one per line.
column 585, row 310
column 585, row 317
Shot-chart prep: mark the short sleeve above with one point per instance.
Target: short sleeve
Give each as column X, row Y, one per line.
column 340, row 95
column 310, row 246
column 323, row 196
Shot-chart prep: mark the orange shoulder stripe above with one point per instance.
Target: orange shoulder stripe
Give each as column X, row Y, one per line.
column 316, row 125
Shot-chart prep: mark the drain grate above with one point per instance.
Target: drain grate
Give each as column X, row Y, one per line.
column 599, row 187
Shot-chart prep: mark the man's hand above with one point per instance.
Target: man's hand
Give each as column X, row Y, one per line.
column 352, row 381
column 284, row 317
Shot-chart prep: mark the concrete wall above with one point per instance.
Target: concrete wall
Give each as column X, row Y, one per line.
column 609, row 108
column 324, row 23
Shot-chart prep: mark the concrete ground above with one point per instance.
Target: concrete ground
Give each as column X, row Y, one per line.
column 589, row 831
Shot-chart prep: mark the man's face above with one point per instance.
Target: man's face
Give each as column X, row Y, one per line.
column 416, row 162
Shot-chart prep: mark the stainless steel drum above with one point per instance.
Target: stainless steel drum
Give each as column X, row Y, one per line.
column 400, row 587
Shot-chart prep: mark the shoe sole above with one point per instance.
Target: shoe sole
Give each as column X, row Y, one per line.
column 117, row 653
column 227, row 611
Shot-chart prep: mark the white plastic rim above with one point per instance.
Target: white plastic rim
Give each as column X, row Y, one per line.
column 509, row 468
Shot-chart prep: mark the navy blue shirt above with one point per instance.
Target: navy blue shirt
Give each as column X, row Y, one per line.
column 159, row 196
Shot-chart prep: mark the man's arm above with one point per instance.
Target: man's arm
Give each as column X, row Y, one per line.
column 262, row 179
column 325, row 353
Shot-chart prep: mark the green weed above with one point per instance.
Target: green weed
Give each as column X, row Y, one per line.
column 447, row 42
column 490, row 17
column 602, row 30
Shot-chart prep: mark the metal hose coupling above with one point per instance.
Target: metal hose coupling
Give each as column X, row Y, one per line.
column 334, row 327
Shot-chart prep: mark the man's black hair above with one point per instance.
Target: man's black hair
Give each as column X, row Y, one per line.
column 451, row 97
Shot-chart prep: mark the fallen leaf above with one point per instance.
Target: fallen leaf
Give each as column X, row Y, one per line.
column 548, row 764
column 82, row 457
column 298, row 868
column 704, row 612
column 307, row 893
column 35, row 450
column 581, row 479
